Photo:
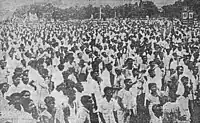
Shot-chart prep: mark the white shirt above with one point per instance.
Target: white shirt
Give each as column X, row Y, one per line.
column 83, row 115
column 107, row 108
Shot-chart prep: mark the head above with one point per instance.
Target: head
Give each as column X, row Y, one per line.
column 128, row 83
column 18, row 71
column 51, row 86
column 4, row 87
column 152, row 64
column 180, row 70
column 61, row 87
column 81, row 63
column 25, row 79
column 152, row 73
column 15, row 98
column 135, row 72
column 79, row 87
column 16, row 79
column 190, row 65
column 152, row 87
column 3, row 64
column 157, row 109
column 108, row 91
column 50, row 102
column 195, row 70
column 25, row 94
column 185, row 80
column 144, row 59
column 87, row 102
column 94, row 74
column 118, row 71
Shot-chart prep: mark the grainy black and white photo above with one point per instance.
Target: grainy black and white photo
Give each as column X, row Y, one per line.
column 99, row 61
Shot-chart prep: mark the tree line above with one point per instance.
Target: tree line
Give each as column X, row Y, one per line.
column 138, row 10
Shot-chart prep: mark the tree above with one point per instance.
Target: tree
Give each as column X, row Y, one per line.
column 150, row 8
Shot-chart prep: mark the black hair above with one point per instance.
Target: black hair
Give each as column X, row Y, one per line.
column 24, row 91
column 2, row 84
column 49, row 99
column 61, row 67
column 85, row 99
column 126, row 81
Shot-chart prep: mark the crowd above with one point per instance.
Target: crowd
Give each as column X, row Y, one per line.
column 125, row 71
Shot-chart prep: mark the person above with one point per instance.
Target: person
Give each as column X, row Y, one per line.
column 152, row 99
column 83, row 115
column 15, row 111
column 108, row 107
column 171, row 111
column 125, row 102
column 28, row 104
column 51, row 114
column 16, row 86
column 61, row 100
column 183, row 103
column 3, row 101
column 3, row 71
column 3, row 89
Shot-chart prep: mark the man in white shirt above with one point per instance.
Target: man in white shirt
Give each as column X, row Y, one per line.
column 16, row 87
column 83, row 115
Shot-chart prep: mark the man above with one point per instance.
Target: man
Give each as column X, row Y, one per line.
column 108, row 107
column 61, row 100
column 3, row 71
column 83, row 115
column 183, row 103
column 125, row 101
column 3, row 102
column 51, row 114
column 28, row 104
column 16, row 87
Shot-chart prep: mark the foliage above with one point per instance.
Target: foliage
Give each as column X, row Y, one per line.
column 48, row 11
column 175, row 9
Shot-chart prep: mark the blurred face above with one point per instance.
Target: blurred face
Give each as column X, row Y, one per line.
column 3, row 64
column 25, row 79
column 180, row 70
column 154, row 88
column 5, row 88
column 96, row 74
column 152, row 73
column 152, row 64
column 31, row 106
column 144, row 59
column 89, row 105
column 16, row 81
column 108, row 93
column 129, row 84
column 195, row 71
column 135, row 72
column 51, row 104
column 185, row 81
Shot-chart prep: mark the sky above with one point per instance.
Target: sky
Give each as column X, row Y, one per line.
column 11, row 5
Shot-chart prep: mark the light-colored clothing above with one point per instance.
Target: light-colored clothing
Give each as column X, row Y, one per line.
column 14, row 89
column 183, row 103
column 128, row 103
column 170, row 112
column 83, row 115
column 107, row 108
column 59, row 116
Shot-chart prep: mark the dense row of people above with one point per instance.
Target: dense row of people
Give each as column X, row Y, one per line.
column 124, row 71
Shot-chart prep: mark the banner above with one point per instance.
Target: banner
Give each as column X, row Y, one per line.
column 185, row 15
column 191, row 15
